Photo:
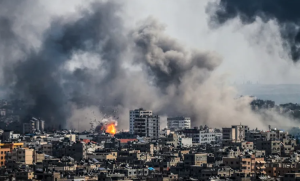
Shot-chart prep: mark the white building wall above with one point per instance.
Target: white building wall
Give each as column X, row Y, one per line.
column 186, row 142
column 72, row 137
column 42, row 125
column 178, row 123
column 207, row 136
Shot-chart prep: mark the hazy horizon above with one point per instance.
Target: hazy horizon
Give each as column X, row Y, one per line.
column 77, row 60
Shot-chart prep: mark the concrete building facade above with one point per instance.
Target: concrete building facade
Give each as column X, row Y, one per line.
column 202, row 136
column 137, row 113
column 3, row 152
column 33, row 125
column 178, row 123
column 42, row 125
column 195, row 159
column 147, row 126
column 23, row 155
column 29, row 127
column 236, row 133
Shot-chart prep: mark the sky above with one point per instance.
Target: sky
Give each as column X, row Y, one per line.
column 250, row 52
column 68, row 57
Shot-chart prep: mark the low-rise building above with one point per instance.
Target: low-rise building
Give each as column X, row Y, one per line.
column 195, row 159
column 47, row 149
column 271, row 147
column 24, row 175
column 11, row 145
column 280, row 168
column 203, row 136
column 103, row 156
column 291, row 177
column 246, row 163
column 23, row 155
column 236, row 133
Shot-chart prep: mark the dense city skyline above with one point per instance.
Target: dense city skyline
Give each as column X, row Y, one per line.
column 172, row 90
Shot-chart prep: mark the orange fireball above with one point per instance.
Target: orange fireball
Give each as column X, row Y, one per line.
column 111, row 128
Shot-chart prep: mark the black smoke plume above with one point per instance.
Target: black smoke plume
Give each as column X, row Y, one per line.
column 286, row 13
column 89, row 65
column 57, row 93
column 40, row 78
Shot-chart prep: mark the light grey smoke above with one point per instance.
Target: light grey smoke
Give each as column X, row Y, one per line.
column 91, row 62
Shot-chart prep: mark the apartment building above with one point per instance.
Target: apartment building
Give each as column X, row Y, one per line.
column 202, row 136
column 47, row 149
column 246, row 163
column 147, row 126
column 195, row 159
column 271, row 147
column 280, row 168
column 29, row 127
column 75, row 150
column 33, row 125
column 236, row 133
column 3, row 152
column 178, row 123
column 23, row 155
column 24, row 175
column 39, row 157
column 145, row 147
column 291, row 177
column 8, row 136
column 137, row 113
column 254, row 135
column 11, row 145
column 275, row 134
column 103, row 156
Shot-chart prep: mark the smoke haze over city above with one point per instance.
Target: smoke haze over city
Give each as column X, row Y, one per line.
column 76, row 61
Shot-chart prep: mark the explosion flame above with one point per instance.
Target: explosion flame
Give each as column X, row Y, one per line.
column 111, row 128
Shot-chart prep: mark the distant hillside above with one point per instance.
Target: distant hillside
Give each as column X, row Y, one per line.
column 291, row 109
column 280, row 93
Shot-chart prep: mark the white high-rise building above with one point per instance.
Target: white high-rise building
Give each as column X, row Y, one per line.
column 137, row 113
column 178, row 123
column 42, row 125
column 37, row 124
column 33, row 125
column 147, row 126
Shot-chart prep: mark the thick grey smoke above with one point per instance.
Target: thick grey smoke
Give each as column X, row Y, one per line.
column 40, row 76
column 286, row 13
column 88, row 65
column 164, row 58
